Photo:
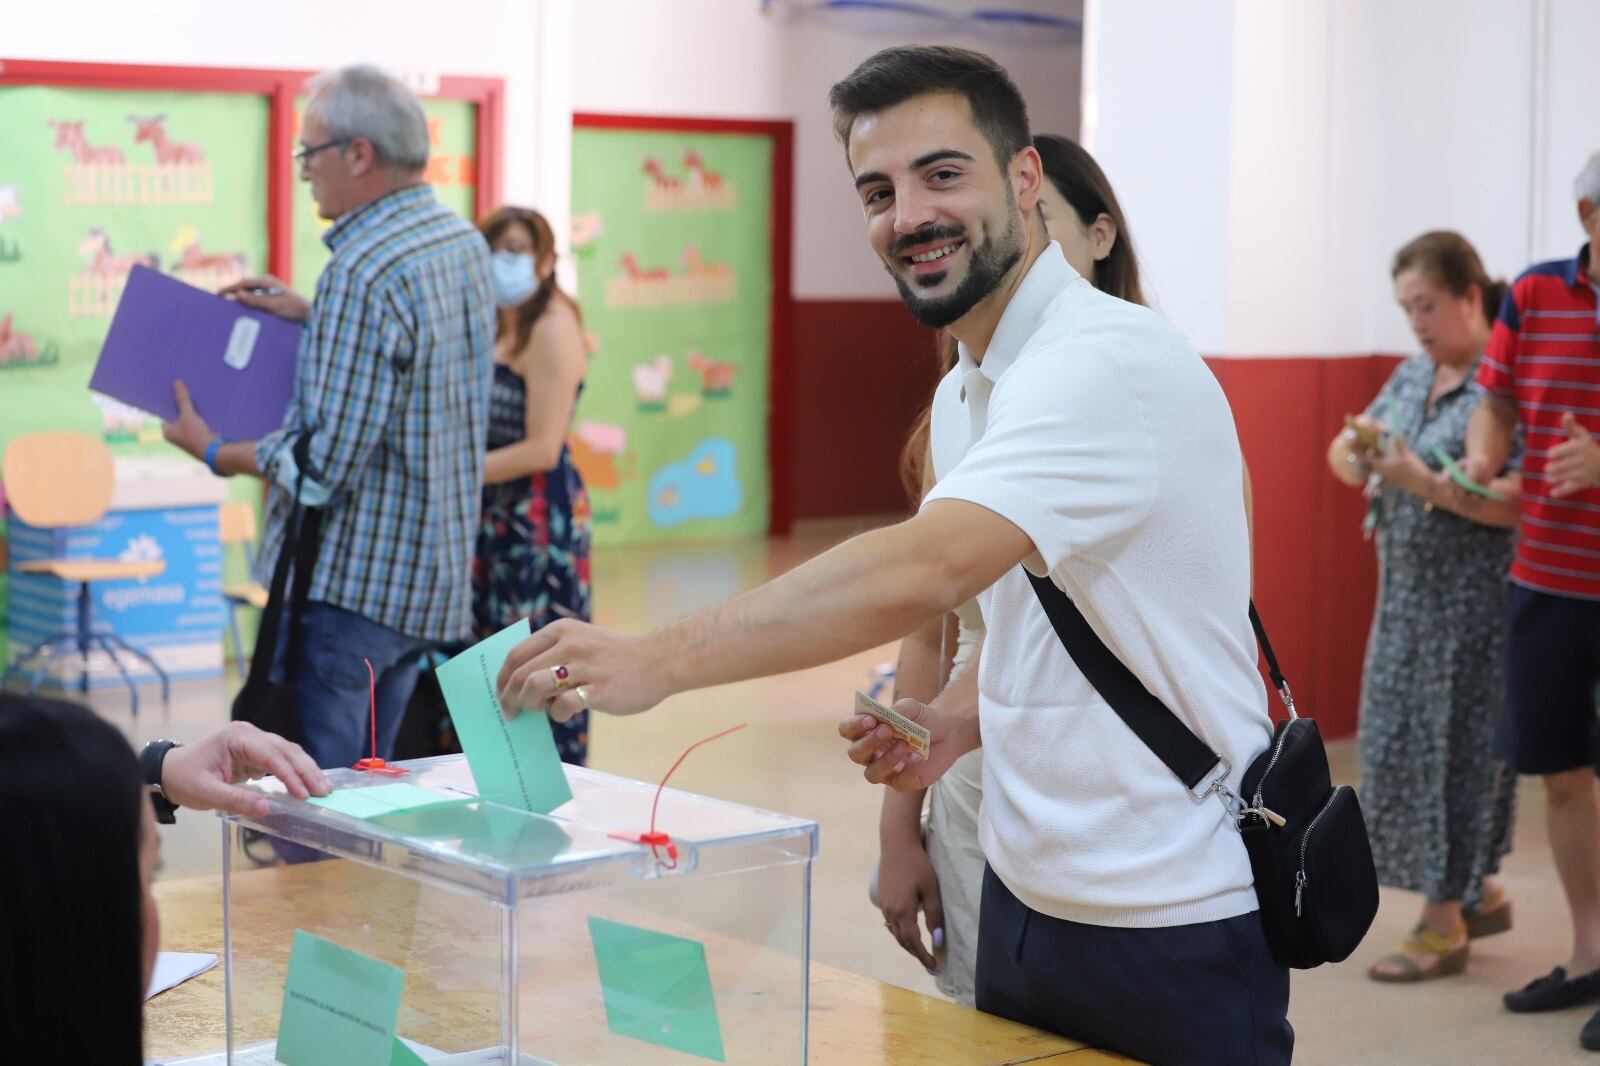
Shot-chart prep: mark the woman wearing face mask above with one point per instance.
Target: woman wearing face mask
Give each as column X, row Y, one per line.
column 533, row 539
column 1438, row 800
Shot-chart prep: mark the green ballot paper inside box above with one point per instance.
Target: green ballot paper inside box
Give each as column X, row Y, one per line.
column 495, row 908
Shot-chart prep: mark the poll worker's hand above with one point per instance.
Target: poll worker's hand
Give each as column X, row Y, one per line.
column 906, row 885
column 890, row 761
column 190, row 431
column 568, row 666
column 1575, row 462
column 203, row 776
column 267, row 293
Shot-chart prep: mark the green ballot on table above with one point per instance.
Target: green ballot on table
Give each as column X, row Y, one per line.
column 1460, row 478
column 339, row 1007
column 514, row 761
column 375, row 801
column 657, row 988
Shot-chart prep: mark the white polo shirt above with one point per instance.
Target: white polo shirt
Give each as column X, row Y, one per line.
column 1098, row 431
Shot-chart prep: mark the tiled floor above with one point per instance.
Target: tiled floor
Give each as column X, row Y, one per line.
column 791, row 760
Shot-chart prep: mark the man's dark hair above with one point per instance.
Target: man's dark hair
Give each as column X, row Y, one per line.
column 895, row 75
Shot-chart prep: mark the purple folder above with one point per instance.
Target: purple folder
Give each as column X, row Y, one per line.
column 238, row 362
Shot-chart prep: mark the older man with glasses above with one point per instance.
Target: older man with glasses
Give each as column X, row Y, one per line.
column 391, row 398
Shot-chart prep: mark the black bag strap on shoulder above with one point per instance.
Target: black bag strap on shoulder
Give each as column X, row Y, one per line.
column 1152, row 721
column 1279, row 682
column 297, row 555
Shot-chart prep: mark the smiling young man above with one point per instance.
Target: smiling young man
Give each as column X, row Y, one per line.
column 1081, row 436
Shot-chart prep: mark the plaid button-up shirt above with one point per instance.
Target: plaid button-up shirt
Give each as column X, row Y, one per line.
column 393, row 385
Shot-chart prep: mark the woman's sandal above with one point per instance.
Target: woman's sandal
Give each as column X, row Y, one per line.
column 1491, row 916
column 1448, row 958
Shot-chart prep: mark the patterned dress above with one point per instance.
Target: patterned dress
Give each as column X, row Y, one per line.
column 533, row 545
column 1437, row 798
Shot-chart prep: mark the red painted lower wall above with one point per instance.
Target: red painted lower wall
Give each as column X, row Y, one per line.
column 863, row 370
column 860, row 373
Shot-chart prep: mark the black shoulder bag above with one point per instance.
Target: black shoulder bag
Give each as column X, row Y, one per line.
column 1306, row 839
column 261, row 702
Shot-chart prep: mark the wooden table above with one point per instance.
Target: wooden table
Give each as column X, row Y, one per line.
column 853, row 1020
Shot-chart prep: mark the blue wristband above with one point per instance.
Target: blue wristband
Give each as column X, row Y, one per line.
column 211, row 454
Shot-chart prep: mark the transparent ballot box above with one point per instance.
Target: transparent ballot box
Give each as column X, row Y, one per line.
column 505, row 936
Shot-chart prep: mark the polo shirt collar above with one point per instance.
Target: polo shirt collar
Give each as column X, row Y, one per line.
column 374, row 213
column 1573, row 271
column 1049, row 274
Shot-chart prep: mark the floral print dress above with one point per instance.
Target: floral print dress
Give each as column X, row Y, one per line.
column 1437, row 798
column 533, row 545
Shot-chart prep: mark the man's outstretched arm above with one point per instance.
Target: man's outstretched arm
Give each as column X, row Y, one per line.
column 868, row 591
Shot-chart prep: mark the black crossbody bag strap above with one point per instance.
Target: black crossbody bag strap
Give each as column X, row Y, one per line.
column 298, row 556
column 1175, row 744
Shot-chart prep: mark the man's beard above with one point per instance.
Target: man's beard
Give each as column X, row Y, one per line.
column 991, row 261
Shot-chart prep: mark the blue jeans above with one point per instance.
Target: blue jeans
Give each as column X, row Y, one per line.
column 331, row 684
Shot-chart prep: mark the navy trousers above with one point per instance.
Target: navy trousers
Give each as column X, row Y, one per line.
column 1207, row 993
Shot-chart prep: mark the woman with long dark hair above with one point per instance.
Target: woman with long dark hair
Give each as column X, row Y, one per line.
column 78, row 927
column 939, row 870
column 533, row 539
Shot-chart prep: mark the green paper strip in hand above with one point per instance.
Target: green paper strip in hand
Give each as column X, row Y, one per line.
column 1461, row 479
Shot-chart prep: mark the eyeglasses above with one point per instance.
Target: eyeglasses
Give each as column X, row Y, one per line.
column 303, row 156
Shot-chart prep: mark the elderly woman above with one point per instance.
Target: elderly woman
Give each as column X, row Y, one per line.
column 1437, row 799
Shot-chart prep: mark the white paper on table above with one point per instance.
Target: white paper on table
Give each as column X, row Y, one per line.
column 173, row 968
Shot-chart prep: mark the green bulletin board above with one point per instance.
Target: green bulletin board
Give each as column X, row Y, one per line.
column 671, row 231
column 91, row 182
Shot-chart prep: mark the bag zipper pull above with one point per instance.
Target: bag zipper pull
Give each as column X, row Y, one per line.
column 1270, row 815
column 1266, row 814
column 1299, row 887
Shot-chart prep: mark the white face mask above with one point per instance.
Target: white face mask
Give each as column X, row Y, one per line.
column 514, row 280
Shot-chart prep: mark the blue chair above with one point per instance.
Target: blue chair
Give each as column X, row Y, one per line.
column 64, row 481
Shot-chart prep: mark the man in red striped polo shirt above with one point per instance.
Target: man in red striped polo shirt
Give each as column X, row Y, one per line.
column 1541, row 371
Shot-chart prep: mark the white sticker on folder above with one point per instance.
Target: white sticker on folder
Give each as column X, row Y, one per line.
column 242, row 342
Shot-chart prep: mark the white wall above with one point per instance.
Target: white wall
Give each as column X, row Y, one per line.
column 1161, row 131
column 497, row 38
column 1572, row 122
column 1341, row 129
column 724, row 59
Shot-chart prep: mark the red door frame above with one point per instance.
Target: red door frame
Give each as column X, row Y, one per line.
column 779, row 420
column 280, row 87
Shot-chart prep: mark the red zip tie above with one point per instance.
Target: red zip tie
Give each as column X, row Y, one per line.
column 374, row 764
column 657, row 840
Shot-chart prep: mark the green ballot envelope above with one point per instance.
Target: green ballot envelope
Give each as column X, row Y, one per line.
column 378, row 800
column 514, row 761
column 339, row 1007
column 1460, row 478
column 657, row 988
